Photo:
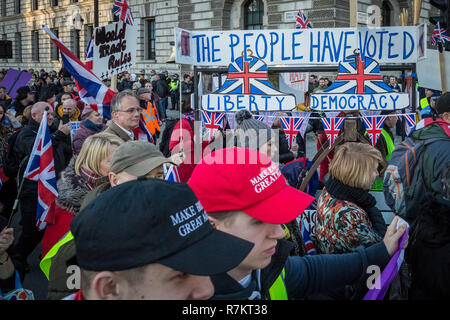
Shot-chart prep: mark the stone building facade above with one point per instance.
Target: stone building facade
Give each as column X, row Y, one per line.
column 73, row 22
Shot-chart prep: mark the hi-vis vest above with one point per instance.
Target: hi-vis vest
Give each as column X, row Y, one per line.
column 46, row 262
column 150, row 118
column 278, row 289
column 378, row 185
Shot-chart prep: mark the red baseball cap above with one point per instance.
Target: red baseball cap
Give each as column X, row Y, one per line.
column 242, row 179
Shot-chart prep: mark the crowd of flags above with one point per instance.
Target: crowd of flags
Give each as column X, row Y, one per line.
column 297, row 123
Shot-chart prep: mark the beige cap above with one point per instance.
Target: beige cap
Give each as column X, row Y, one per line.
column 137, row 158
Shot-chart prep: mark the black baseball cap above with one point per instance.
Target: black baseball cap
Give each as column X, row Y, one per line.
column 149, row 221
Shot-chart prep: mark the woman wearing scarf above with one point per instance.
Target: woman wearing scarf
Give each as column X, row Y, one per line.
column 85, row 172
column 347, row 216
column 92, row 123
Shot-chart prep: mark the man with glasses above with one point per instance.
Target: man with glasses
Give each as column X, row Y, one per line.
column 125, row 113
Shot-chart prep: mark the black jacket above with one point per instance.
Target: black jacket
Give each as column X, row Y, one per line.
column 285, row 154
column 62, row 151
column 429, row 252
column 162, row 89
column 125, row 84
column 305, row 275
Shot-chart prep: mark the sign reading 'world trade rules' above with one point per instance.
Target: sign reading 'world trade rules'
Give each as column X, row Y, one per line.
column 114, row 49
column 387, row 45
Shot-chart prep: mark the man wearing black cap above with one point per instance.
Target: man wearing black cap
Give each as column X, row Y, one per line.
column 434, row 158
column 24, row 98
column 174, row 91
column 67, row 88
column 149, row 112
column 160, row 246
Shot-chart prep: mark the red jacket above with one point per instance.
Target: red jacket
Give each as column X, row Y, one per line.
column 54, row 232
column 187, row 167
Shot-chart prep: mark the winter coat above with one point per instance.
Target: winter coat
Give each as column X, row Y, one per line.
column 304, row 275
column 342, row 225
column 72, row 189
column 114, row 129
column 428, row 253
column 285, row 154
column 124, row 85
column 432, row 161
column 161, row 88
column 81, row 135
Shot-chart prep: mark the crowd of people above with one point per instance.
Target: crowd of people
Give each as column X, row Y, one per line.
column 228, row 229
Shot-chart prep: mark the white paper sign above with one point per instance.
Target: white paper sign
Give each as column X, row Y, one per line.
column 115, row 47
column 297, row 46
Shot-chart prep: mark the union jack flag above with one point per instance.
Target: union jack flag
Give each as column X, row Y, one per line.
column 332, row 127
column 439, row 34
column 247, row 77
column 89, row 54
column 171, row 173
column 307, row 227
column 41, row 168
column 291, row 127
column 374, row 125
column 123, row 11
column 410, row 123
column 302, row 21
column 90, row 88
column 212, row 121
column 142, row 132
column 359, row 76
column 258, row 117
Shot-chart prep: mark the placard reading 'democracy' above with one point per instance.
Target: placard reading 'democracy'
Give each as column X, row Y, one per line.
column 293, row 46
column 374, row 101
column 114, row 49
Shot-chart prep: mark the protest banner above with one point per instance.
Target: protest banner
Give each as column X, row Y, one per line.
column 247, row 87
column 297, row 46
column 359, row 86
column 115, row 49
column 15, row 79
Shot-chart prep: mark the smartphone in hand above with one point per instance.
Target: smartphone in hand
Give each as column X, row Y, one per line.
column 65, row 118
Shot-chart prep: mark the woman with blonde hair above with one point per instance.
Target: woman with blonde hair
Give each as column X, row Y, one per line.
column 346, row 216
column 85, row 172
column 346, row 213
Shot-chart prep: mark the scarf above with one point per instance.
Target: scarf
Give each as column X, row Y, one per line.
column 92, row 126
column 360, row 197
column 93, row 180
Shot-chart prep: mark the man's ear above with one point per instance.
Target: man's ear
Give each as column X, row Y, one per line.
column 213, row 222
column 104, row 286
column 112, row 179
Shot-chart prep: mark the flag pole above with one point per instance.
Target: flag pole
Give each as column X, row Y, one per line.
column 442, row 67
column 16, row 204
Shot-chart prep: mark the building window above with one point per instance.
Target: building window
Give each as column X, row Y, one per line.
column 18, row 45
column 17, row 6
column 54, row 3
column 34, row 4
column 35, row 46
column 150, row 39
column 54, row 48
column 3, row 8
column 386, row 10
column 75, row 35
column 253, row 15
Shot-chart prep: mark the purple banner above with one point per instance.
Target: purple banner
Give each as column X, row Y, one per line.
column 15, row 79
column 389, row 273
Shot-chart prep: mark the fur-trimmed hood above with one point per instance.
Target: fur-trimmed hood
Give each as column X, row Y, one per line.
column 71, row 189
